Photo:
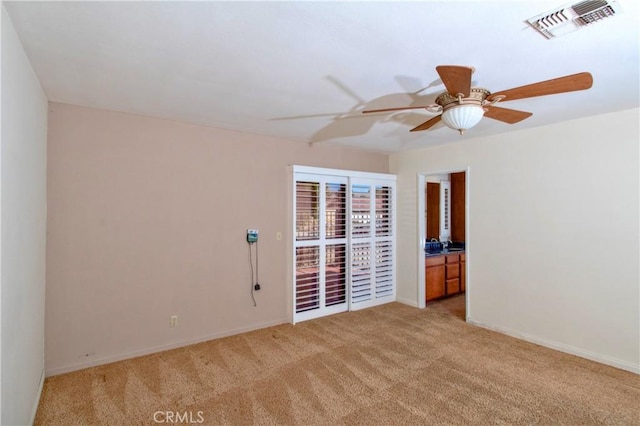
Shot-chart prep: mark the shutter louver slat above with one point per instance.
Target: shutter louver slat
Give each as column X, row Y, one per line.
column 360, row 211
column 384, row 269
column 384, row 217
column 307, row 278
column 360, row 272
column 307, row 211
column 336, row 211
column 384, row 261
column 336, row 274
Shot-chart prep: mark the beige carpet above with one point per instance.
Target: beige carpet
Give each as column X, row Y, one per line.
column 389, row 365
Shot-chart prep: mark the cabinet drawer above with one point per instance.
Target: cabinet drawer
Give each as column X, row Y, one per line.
column 453, row 270
column 462, row 257
column 453, row 258
column 453, row 286
column 434, row 260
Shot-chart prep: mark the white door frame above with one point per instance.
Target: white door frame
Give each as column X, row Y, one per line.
column 422, row 233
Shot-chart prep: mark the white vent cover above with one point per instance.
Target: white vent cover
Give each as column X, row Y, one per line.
column 571, row 17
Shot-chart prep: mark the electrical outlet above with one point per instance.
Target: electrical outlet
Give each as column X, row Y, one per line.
column 173, row 321
column 279, row 236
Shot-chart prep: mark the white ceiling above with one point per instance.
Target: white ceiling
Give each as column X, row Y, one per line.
column 305, row 70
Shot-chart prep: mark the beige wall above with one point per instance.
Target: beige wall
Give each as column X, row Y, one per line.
column 23, row 211
column 553, row 232
column 148, row 218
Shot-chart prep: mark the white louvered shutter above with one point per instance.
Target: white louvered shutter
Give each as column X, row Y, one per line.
column 335, row 264
column 344, row 246
column 384, row 259
column 307, row 291
column 372, row 243
column 445, row 210
column 361, row 243
column 320, row 246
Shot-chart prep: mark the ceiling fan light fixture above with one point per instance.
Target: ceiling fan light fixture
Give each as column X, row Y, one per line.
column 462, row 113
column 462, row 117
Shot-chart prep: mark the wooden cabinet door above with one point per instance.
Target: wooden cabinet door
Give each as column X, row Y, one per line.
column 457, row 206
column 432, row 204
column 434, row 278
column 435, row 282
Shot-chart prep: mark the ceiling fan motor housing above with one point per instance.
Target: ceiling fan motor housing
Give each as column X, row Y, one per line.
column 476, row 96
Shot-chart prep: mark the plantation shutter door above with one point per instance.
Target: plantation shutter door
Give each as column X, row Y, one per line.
column 372, row 243
column 384, row 243
column 320, row 246
column 344, row 241
column 307, row 246
column 361, row 244
column 335, row 264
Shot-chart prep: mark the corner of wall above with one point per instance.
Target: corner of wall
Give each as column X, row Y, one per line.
column 23, row 222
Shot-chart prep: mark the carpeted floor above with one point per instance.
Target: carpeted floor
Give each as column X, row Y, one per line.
column 389, row 365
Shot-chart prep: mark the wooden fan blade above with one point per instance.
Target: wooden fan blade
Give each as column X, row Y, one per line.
column 456, row 79
column 506, row 115
column 427, row 124
column 569, row 83
column 393, row 109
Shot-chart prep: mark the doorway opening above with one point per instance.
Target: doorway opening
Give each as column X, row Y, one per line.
column 443, row 229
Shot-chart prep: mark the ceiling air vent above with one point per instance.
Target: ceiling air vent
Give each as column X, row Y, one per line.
column 571, row 17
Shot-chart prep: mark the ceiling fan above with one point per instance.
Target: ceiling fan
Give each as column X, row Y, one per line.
column 461, row 107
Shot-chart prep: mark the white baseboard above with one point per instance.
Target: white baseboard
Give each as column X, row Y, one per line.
column 160, row 348
column 603, row 359
column 36, row 403
column 409, row 302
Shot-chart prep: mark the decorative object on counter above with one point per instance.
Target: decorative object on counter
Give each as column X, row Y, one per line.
column 456, row 245
column 437, row 247
column 433, row 247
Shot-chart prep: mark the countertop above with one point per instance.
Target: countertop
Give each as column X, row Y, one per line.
column 445, row 251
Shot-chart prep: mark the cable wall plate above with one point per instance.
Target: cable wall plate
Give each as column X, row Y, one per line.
column 252, row 235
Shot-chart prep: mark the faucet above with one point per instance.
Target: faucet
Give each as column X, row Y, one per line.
column 433, row 240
